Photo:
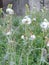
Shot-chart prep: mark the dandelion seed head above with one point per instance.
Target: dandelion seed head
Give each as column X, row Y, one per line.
column 8, row 33
column 9, row 11
column 34, row 19
column 48, row 43
column 26, row 20
column 45, row 20
column 44, row 25
column 42, row 10
column 32, row 37
column 22, row 37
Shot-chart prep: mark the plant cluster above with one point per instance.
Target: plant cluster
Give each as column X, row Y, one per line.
column 24, row 40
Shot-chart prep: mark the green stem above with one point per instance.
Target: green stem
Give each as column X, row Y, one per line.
column 27, row 60
column 11, row 45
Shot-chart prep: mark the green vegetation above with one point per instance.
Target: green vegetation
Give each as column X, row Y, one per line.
column 23, row 41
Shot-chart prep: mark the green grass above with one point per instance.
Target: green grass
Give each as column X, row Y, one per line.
column 28, row 52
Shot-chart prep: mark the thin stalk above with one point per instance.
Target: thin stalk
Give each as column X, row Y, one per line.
column 27, row 60
column 11, row 45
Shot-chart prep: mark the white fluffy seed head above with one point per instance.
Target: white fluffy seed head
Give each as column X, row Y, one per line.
column 9, row 11
column 32, row 37
column 48, row 43
column 34, row 19
column 22, row 37
column 45, row 20
column 26, row 20
column 8, row 33
column 42, row 10
column 44, row 25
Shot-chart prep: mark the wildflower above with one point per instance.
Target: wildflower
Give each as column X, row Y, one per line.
column 42, row 10
column 45, row 8
column 45, row 24
column 9, row 11
column 34, row 19
column 26, row 20
column 45, row 37
column 45, row 20
column 22, row 37
column 8, row 33
column 48, row 43
column 32, row 37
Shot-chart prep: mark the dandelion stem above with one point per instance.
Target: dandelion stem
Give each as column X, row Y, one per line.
column 27, row 59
